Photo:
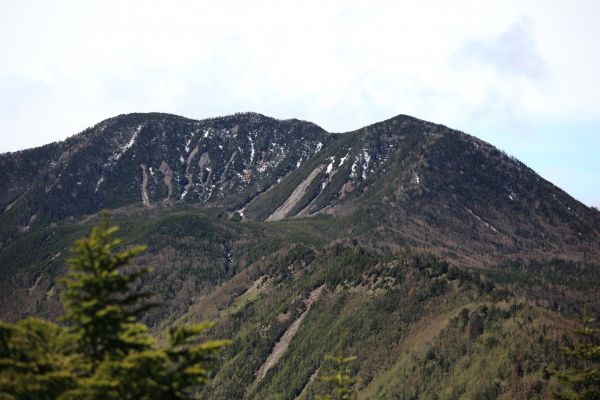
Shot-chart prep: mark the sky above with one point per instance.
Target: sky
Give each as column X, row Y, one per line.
column 522, row 75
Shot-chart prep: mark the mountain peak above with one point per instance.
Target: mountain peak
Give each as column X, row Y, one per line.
column 407, row 171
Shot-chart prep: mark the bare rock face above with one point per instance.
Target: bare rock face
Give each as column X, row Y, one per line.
column 144, row 186
column 168, row 178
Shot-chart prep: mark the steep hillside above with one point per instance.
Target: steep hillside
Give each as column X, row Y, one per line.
column 420, row 329
column 152, row 159
column 417, row 182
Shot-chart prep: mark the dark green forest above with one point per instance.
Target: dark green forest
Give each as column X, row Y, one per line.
column 406, row 326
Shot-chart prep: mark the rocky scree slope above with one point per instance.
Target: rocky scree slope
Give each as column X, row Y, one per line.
column 153, row 159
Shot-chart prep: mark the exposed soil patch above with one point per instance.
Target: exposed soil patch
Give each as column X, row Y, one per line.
column 282, row 345
column 144, row 186
column 295, row 197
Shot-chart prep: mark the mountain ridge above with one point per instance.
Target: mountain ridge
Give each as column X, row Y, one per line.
column 269, row 169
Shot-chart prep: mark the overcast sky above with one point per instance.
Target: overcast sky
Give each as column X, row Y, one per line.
column 523, row 75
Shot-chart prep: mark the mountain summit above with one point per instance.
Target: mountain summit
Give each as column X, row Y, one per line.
column 412, row 180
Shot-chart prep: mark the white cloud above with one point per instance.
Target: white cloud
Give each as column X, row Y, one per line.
column 513, row 52
column 496, row 66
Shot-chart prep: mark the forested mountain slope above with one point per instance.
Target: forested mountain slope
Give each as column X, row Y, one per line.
column 445, row 260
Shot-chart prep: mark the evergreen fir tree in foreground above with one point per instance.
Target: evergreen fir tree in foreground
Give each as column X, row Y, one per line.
column 104, row 353
column 342, row 380
column 583, row 383
column 101, row 309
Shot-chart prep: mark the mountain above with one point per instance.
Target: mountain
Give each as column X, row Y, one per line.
column 422, row 182
column 154, row 158
column 432, row 248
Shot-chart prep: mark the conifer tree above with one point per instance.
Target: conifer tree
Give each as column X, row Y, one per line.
column 101, row 308
column 156, row 373
column 105, row 353
column 342, row 380
column 36, row 360
column 583, row 382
